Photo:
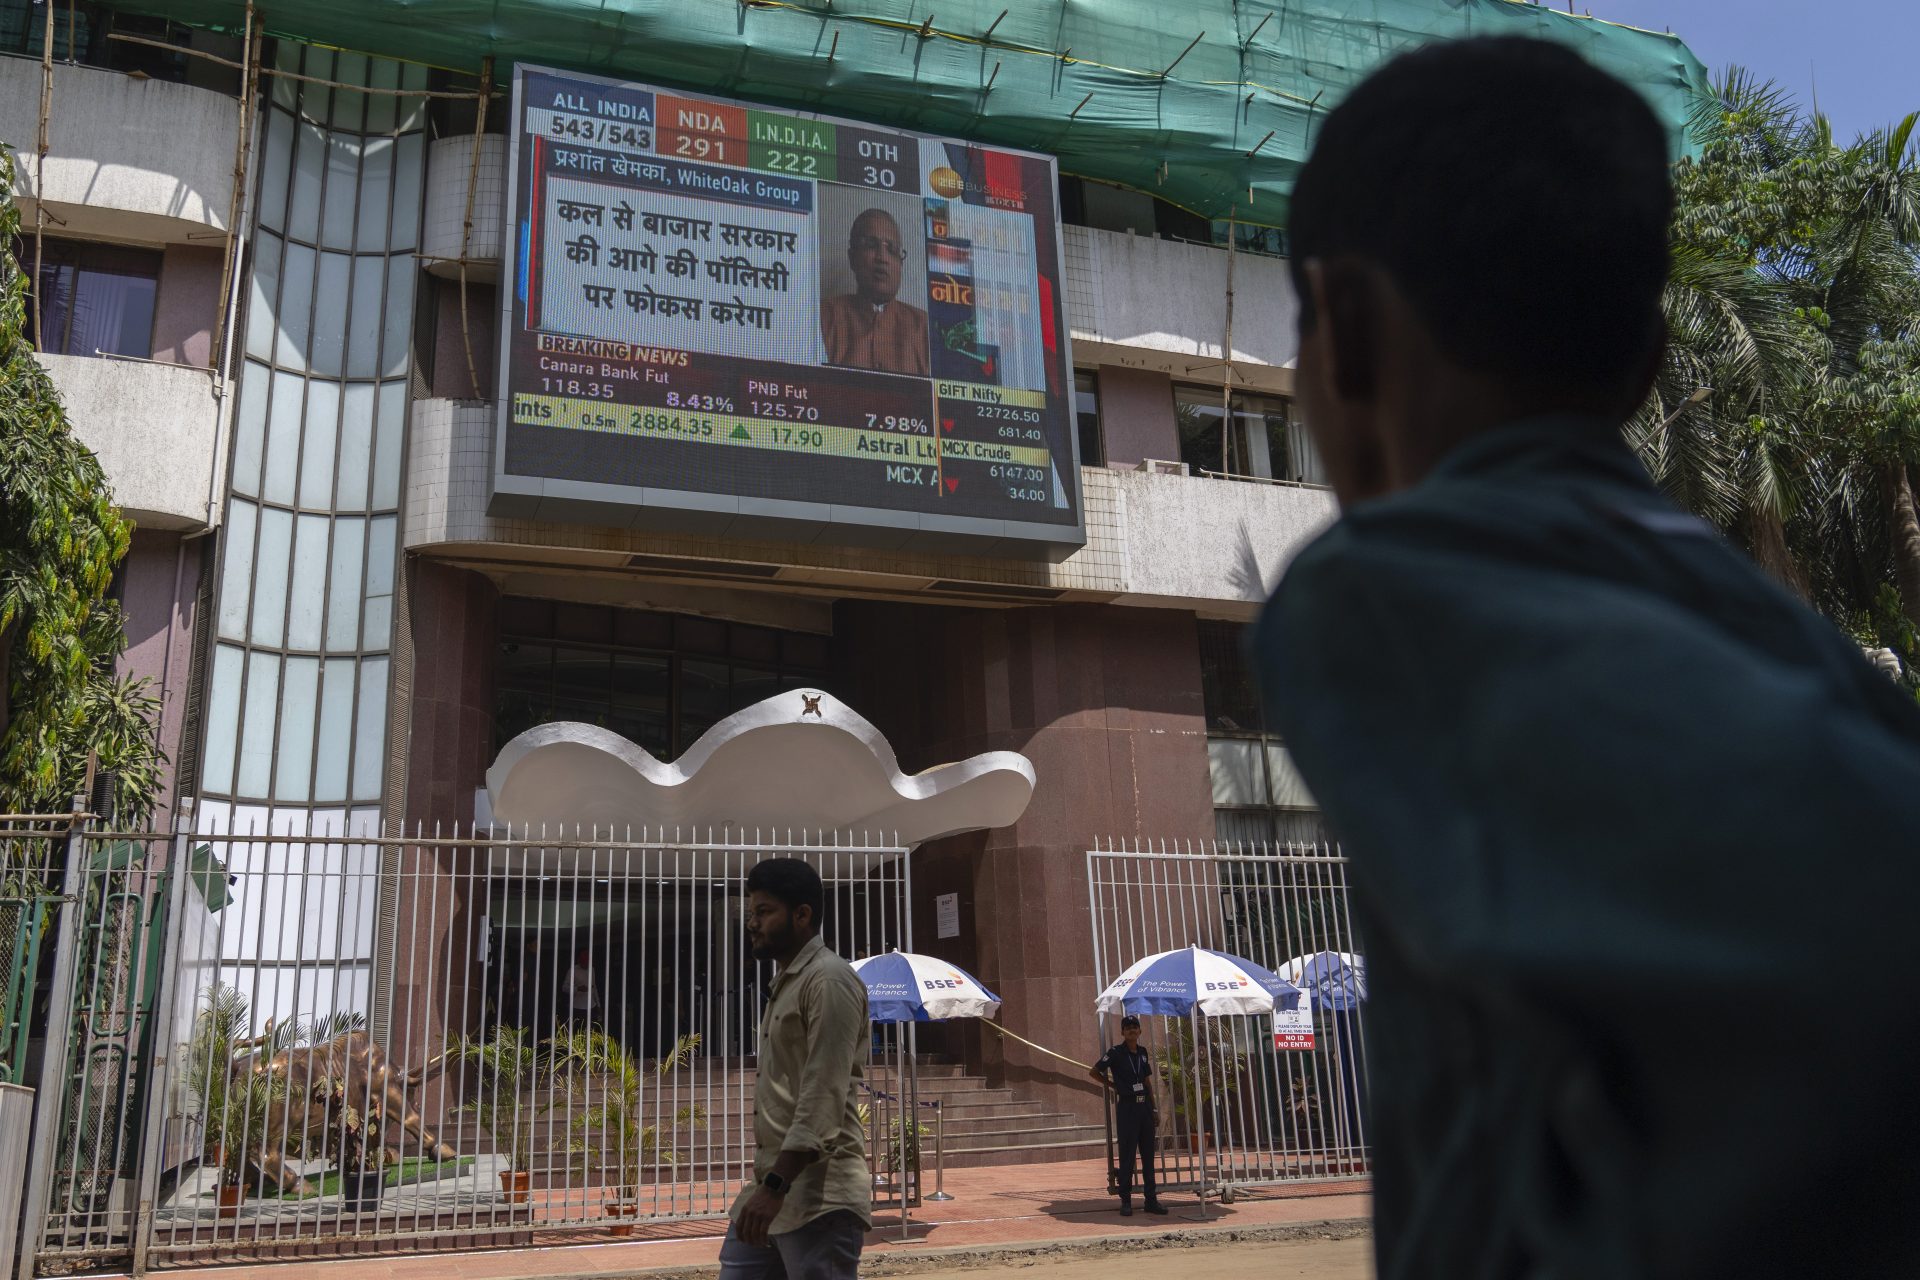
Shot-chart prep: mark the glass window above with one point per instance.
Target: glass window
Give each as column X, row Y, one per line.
column 334, row 744
column 751, row 685
column 317, row 444
column 249, row 435
column 659, row 680
column 343, row 585
column 523, row 688
column 298, row 699
column 306, row 601
column 270, row 578
column 582, row 685
column 1203, row 440
column 1086, row 416
column 356, row 444
column 256, row 730
column 1262, row 441
column 376, row 630
column 95, row 299
column 643, row 701
column 278, row 482
column 703, row 699
column 223, row 718
column 370, row 730
column 237, row 576
column 268, row 249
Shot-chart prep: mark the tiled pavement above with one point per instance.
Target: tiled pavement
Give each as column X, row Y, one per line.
column 1035, row 1204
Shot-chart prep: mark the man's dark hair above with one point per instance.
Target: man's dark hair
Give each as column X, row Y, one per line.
column 1129, row 1021
column 1519, row 198
column 792, row 882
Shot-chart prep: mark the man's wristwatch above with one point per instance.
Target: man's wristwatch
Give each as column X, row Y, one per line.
column 775, row 1183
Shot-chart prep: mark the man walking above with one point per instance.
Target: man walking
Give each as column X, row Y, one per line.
column 1632, row 830
column 807, row 1214
column 1127, row 1069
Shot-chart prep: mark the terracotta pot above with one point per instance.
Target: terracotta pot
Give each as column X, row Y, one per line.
column 621, row 1209
column 515, row 1186
column 229, row 1198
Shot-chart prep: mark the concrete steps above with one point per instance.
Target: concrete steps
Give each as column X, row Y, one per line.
column 984, row 1125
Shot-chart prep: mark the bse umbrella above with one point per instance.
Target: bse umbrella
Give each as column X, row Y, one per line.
column 904, row 987
column 1336, row 980
column 1174, row 984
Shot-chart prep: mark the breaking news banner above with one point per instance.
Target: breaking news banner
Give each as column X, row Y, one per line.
column 711, row 299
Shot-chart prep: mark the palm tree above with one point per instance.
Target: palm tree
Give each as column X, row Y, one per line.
column 504, row 1061
column 1788, row 409
column 610, row 1085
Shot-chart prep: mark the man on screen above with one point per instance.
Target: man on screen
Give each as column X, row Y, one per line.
column 871, row 328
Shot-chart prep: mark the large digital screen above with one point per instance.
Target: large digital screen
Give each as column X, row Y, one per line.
column 721, row 316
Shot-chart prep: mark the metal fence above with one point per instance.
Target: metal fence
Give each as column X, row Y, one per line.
column 452, row 1040
column 1240, row 1110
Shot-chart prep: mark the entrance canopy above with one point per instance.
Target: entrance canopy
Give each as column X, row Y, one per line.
column 799, row 761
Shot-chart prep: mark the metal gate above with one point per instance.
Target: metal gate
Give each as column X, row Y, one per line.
column 464, row 1039
column 1240, row 1110
column 94, row 965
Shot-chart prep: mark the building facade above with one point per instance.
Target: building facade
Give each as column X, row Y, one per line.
column 269, row 292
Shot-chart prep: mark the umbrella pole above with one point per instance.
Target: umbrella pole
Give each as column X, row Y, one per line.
column 1199, row 1116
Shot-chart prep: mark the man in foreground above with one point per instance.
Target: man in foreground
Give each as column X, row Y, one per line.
column 1633, row 831
column 1127, row 1069
column 807, row 1215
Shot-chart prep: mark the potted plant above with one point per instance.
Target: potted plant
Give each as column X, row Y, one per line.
column 237, row 1118
column 1199, row 1068
column 503, row 1062
column 887, row 1166
column 233, row 1106
column 609, row 1084
column 353, row 1130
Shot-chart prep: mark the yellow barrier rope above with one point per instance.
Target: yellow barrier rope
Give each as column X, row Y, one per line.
column 1031, row 1045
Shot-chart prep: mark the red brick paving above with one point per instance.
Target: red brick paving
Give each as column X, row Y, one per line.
column 1016, row 1204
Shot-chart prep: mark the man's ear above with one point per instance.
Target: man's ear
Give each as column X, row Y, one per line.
column 1346, row 305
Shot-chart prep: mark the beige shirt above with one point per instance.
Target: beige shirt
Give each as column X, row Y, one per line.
column 891, row 338
column 813, row 1039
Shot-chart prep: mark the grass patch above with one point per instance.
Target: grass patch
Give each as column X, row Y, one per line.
column 411, row 1170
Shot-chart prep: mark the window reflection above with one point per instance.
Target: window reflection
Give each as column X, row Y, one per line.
column 95, row 298
column 661, row 682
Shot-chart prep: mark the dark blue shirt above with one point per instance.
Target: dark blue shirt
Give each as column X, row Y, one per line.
column 1130, row 1073
column 1635, row 840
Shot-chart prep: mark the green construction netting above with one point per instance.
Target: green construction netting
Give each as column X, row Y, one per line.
column 1219, row 128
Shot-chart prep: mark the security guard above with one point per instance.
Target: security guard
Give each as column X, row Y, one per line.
column 1128, row 1069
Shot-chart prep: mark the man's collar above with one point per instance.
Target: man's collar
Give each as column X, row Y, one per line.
column 807, row 955
column 1598, row 439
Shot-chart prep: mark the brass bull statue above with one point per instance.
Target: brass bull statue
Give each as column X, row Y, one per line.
column 350, row 1065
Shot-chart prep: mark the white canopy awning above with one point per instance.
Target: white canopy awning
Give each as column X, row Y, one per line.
column 798, row 762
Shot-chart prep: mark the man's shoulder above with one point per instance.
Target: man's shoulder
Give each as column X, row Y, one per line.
column 829, row 966
column 839, row 305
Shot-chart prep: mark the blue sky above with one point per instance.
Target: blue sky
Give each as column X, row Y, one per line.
column 1860, row 54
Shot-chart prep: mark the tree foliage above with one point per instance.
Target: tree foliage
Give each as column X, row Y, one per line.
column 1788, row 409
column 60, row 539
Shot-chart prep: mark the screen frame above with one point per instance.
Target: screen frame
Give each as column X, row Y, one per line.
column 728, row 515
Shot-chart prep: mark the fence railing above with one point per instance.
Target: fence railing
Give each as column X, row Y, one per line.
column 457, row 1038
column 1242, row 1105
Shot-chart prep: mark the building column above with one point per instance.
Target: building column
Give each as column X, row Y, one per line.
column 1106, row 703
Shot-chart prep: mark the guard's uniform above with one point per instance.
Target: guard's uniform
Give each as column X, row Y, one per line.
column 1131, row 1074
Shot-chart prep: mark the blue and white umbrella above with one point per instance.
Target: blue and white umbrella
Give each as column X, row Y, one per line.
column 904, row 987
column 1174, row 984
column 1336, row 980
